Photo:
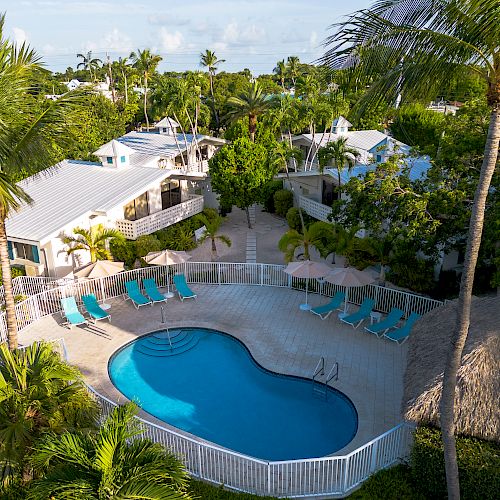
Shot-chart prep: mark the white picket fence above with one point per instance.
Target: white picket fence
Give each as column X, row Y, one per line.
column 44, row 296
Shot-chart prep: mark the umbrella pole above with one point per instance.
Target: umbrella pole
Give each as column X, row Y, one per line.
column 307, row 287
column 346, row 300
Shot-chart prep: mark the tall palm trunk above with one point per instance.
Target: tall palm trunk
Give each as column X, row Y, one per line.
column 453, row 361
column 216, row 114
column 252, row 126
column 145, row 101
column 214, row 250
column 126, row 86
column 10, row 306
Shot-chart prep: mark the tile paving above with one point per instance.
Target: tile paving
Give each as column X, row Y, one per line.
column 280, row 337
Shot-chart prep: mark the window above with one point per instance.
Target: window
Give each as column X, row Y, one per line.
column 170, row 194
column 379, row 158
column 109, row 160
column 123, row 159
column 25, row 252
column 138, row 208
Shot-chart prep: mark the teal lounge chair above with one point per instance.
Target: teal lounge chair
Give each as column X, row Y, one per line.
column 326, row 309
column 152, row 291
column 400, row 335
column 362, row 313
column 393, row 318
column 135, row 295
column 95, row 311
column 71, row 312
column 182, row 287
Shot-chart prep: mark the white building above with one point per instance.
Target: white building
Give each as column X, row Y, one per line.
column 140, row 185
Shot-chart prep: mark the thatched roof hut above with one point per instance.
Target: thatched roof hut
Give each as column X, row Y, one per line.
column 477, row 410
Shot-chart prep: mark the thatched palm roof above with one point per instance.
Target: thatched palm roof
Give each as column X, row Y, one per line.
column 478, row 392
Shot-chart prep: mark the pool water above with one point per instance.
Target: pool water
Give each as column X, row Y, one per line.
column 207, row 383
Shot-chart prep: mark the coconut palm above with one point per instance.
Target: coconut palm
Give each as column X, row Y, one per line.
column 212, row 226
column 93, row 240
column 281, row 71
column 39, row 393
column 251, row 103
column 209, row 60
column 113, row 463
column 29, row 136
column 90, row 64
column 145, row 63
column 340, row 154
column 293, row 68
column 124, row 67
column 412, row 49
column 317, row 235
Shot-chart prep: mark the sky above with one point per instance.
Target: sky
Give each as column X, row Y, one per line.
column 247, row 34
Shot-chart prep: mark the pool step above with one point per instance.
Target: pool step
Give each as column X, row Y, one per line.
column 157, row 345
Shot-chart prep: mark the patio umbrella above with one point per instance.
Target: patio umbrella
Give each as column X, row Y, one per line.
column 348, row 277
column 99, row 269
column 167, row 258
column 307, row 269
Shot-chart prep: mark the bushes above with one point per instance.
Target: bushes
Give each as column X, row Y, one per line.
column 147, row 243
column 123, row 251
column 15, row 271
column 409, row 271
column 478, row 465
column 283, row 201
column 205, row 491
column 267, row 195
column 293, row 219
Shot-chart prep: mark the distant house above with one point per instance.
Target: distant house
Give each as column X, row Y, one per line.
column 143, row 182
column 99, row 87
column 316, row 191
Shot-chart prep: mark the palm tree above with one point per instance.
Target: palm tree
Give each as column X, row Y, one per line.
column 209, row 60
column 317, row 235
column 293, row 67
column 281, row 71
column 38, row 393
column 412, row 49
column 341, row 154
column 94, row 240
column 29, row 136
column 89, row 63
column 124, row 68
column 251, row 103
column 110, row 464
column 145, row 63
column 212, row 226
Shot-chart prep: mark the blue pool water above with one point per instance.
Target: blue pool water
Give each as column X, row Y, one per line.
column 207, row 383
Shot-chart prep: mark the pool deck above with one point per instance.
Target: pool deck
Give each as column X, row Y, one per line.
column 279, row 335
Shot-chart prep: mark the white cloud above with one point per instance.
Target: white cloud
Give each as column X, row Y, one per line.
column 313, row 40
column 19, row 35
column 171, row 41
column 235, row 35
column 114, row 41
column 168, row 20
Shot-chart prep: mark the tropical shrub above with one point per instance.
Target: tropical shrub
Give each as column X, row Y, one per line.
column 283, row 201
column 409, row 271
column 147, row 243
column 205, row 491
column 15, row 271
column 478, row 464
column 293, row 218
column 124, row 251
column 267, row 195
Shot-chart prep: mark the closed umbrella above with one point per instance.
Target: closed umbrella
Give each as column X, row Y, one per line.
column 348, row 277
column 99, row 269
column 307, row 269
column 167, row 258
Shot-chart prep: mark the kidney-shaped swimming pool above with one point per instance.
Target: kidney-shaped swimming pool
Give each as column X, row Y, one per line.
column 207, row 383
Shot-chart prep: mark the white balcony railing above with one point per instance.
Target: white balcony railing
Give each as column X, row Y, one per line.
column 194, row 167
column 132, row 229
column 315, row 209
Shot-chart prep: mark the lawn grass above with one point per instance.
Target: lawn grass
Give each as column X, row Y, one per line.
column 205, row 491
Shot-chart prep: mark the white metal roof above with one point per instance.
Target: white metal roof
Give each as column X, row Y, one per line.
column 114, row 148
column 341, row 122
column 72, row 189
column 167, row 122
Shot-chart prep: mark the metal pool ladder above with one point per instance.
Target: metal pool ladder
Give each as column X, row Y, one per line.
column 321, row 388
column 163, row 322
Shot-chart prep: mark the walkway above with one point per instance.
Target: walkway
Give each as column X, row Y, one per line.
column 279, row 336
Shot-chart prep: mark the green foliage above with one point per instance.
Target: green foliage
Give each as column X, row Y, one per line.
column 147, row 243
column 205, row 491
column 318, row 235
column 239, row 171
column 267, row 194
column 293, row 218
column 283, row 201
column 15, row 272
column 419, row 127
column 180, row 236
column 124, row 251
column 478, row 464
column 394, row 483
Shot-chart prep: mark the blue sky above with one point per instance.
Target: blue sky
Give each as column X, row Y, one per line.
column 253, row 34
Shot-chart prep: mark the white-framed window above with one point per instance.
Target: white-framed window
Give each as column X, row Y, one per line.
column 109, row 160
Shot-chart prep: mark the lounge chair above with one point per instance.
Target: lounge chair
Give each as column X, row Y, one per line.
column 393, row 318
column 70, row 310
column 152, row 291
column 95, row 311
column 135, row 295
column 182, row 287
column 362, row 313
column 326, row 309
column 400, row 335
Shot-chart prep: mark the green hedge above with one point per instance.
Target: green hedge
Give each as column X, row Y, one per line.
column 478, row 464
column 283, row 201
column 293, row 219
column 205, row 491
column 267, row 195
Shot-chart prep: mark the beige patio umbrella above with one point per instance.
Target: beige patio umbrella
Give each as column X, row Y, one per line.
column 99, row 269
column 348, row 277
column 307, row 269
column 167, row 258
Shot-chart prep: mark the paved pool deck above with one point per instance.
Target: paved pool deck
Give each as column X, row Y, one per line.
column 279, row 335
